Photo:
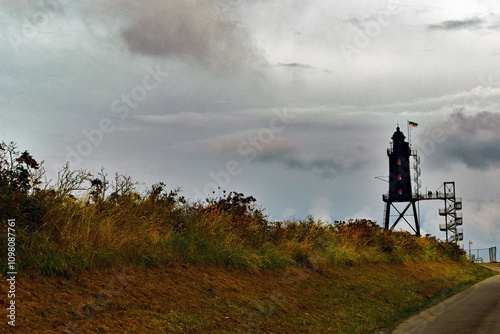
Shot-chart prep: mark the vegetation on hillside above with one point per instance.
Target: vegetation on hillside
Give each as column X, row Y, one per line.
column 100, row 247
column 84, row 221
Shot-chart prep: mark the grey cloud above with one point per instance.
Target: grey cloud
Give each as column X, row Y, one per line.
column 296, row 65
column 244, row 145
column 326, row 167
column 473, row 140
column 206, row 32
column 279, row 149
column 285, row 152
column 476, row 155
column 458, row 24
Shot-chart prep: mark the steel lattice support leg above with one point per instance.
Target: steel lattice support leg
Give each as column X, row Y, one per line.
column 417, row 224
column 387, row 214
column 412, row 204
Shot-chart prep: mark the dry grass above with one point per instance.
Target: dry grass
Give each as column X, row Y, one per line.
column 183, row 298
column 214, row 267
column 136, row 230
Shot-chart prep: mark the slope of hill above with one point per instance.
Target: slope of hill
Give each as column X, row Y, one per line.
column 187, row 298
column 152, row 262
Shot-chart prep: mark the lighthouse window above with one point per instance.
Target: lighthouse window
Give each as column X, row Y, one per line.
column 400, row 191
column 400, row 177
column 399, row 162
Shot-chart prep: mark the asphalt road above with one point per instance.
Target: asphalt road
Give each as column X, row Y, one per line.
column 473, row 311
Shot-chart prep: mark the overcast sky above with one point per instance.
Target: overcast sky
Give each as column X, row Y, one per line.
column 292, row 102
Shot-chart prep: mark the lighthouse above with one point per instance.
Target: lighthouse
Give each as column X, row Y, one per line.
column 400, row 190
column 399, row 168
column 401, row 198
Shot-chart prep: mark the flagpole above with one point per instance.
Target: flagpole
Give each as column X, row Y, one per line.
column 409, row 131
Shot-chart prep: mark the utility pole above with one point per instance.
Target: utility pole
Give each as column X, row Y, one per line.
column 470, row 256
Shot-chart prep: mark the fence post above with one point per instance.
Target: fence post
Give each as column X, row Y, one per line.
column 493, row 254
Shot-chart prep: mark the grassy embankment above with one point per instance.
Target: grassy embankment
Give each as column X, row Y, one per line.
column 155, row 263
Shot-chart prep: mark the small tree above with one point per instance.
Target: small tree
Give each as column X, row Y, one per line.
column 20, row 175
column 98, row 187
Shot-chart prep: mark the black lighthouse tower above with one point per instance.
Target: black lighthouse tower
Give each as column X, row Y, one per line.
column 400, row 183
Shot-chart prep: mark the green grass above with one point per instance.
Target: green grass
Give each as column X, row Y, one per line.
column 493, row 264
column 75, row 234
column 59, row 230
column 79, row 235
column 286, row 276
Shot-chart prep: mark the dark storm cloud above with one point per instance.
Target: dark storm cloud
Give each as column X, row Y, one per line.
column 476, row 155
column 207, row 32
column 470, row 139
column 471, row 23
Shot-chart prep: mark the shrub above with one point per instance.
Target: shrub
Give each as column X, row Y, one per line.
column 75, row 223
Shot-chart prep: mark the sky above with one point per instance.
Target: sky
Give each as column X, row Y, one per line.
column 291, row 102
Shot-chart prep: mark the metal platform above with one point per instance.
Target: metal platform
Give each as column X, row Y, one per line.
column 401, row 197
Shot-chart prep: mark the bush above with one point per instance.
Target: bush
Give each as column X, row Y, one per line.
column 75, row 223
